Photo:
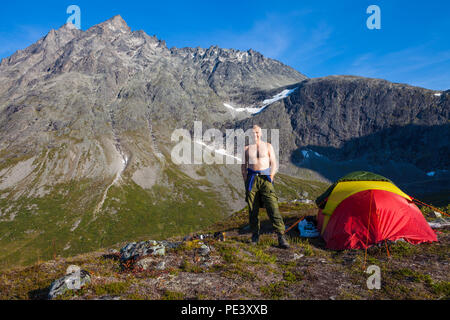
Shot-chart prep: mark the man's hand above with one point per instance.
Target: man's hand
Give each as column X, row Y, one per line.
column 272, row 177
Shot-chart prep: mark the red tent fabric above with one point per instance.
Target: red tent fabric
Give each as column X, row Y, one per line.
column 392, row 217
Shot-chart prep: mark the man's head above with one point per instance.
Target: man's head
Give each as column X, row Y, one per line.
column 256, row 133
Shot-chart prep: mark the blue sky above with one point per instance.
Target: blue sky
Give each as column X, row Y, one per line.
column 318, row 38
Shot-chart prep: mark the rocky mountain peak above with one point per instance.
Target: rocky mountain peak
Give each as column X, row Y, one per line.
column 114, row 25
column 62, row 36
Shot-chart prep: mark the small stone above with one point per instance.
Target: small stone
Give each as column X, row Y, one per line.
column 204, row 250
column 145, row 263
column 207, row 264
column 113, row 251
column 161, row 265
column 436, row 214
column 297, row 256
column 159, row 250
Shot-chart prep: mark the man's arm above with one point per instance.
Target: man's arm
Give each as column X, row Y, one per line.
column 273, row 162
column 245, row 165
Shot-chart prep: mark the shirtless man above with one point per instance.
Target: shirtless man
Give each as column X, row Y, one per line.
column 258, row 171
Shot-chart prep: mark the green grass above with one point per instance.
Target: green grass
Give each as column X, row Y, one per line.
column 172, row 295
column 275, row 291
column 293, row 276
column 441, row 289
column 42, row 227
column 306, row 246
column 113, row 289
column 261, row 256
column 291, row 188
column 186, row 266
column 403, row 249
column 228, row 252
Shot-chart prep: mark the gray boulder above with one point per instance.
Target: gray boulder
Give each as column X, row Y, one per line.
column 142, row 249
column 204, row 250
column 146, row 263
column 72, row 281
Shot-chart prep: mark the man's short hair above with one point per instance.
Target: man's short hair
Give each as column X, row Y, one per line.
column 255, row 126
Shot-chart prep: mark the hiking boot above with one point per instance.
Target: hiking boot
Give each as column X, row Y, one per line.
column 255, row 238
column 282, row 242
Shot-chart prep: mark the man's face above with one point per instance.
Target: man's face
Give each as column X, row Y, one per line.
column 256, row 133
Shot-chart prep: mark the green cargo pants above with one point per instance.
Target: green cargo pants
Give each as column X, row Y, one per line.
column 263, row 194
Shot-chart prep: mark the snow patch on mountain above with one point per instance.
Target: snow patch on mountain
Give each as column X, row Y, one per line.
column 220, row 151
column 282, row 95
column 436, row 173
column 307, row 154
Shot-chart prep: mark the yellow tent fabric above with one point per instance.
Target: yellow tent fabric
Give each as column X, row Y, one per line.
column 345, row 189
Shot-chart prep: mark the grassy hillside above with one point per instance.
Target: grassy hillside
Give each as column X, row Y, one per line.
column 238, row 270
column 63, row 222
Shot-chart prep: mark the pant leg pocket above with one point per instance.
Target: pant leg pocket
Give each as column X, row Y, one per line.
column 273, row 194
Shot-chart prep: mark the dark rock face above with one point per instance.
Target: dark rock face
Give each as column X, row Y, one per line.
column 330, row 111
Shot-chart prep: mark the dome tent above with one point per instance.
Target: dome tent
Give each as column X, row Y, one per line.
column 362, row 209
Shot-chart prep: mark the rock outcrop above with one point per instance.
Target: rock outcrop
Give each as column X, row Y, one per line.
column 73, row 280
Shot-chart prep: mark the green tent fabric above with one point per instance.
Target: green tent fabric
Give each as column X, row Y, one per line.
column 363, row 176
column 353, row 176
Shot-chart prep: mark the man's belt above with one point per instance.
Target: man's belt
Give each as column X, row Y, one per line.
column 254, row 173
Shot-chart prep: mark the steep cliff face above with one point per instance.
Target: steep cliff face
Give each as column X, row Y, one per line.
column 330, row 111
